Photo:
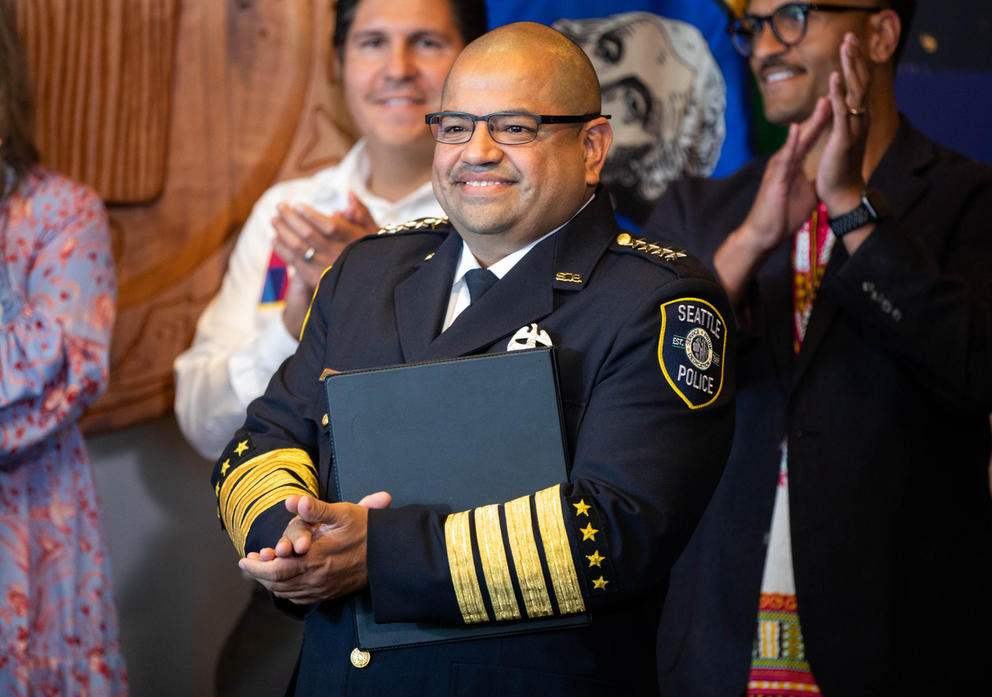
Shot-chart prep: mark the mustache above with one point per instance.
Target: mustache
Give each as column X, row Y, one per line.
column 777, row 62
column 458, row 172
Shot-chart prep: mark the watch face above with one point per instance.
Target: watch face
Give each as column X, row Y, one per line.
column 875, row 200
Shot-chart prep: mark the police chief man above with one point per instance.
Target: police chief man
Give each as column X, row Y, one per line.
column 647, row 389
column 848, row 547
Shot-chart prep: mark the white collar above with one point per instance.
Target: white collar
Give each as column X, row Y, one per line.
column 353, row 173
column 467, row 260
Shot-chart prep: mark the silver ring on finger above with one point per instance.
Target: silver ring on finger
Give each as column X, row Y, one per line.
column 309, row 254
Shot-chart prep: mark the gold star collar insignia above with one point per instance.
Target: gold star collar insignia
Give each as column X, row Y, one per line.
column 599, row 583
column 242, row 446
column 582, row 508
column 225, row 467
column 588, row 532
column 595, row 559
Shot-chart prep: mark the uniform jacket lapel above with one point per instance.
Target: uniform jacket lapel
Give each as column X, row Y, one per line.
column 421, row 300
column 523, row 295
column 527, row 293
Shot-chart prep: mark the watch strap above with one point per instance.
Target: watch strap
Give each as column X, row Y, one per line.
column 872, row 208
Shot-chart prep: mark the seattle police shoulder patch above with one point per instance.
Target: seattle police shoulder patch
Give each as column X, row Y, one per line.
column 691, row 350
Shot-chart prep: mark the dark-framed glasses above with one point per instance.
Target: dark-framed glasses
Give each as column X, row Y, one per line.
column 788, row 23
column 506, row 128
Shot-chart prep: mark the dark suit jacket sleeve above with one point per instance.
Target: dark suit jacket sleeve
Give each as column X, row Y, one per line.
column 697, row 214
column 671, row 220
column 928, row 300
column 272, row 456
column 644, row 465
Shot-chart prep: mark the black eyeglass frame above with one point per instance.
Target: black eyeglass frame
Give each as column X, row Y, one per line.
column 541, row 119
column 743, row 38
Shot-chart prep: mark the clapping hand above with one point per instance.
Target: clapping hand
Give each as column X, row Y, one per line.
column 309, row 241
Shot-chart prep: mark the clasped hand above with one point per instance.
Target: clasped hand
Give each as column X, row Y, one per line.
column 322, row 553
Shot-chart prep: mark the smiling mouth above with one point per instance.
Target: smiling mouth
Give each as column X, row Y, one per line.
column 399, row 101
column 480, row 184
column 770, row 76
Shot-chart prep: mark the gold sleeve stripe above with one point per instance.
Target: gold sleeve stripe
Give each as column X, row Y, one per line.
column 256, row 483
column 259, row 483
column 495, row 567
column 458, row 539
column 250, row 487
column 279, row 490
column 244, row 480
column 557, row 551
column 257, row 508
column 276, row 489
column 520, row 532
column 245, row 501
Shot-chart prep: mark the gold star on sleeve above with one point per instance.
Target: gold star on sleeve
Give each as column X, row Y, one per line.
column 242, row 446
column 225, row 467
column 599, row 583
column 582, row 508
column 595, row 559
column 588, row 532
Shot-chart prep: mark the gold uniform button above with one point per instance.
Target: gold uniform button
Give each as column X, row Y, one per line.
column 360, row 658
column 623, row 239
column 324, row 421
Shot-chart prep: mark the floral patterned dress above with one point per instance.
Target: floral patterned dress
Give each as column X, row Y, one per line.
column 58, row 627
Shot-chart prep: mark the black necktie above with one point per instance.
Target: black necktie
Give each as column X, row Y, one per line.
column 479, row 281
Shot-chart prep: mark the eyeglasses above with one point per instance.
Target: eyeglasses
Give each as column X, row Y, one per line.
column 788, row 24
column 506, row 128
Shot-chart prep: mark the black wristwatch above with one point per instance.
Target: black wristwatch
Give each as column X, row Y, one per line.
column 871, row 209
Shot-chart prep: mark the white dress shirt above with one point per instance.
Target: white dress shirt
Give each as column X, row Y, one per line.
column 240, row 344
column 460, row 297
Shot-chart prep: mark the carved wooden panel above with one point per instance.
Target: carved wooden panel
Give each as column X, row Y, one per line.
column 249, row 102
column 103, row 74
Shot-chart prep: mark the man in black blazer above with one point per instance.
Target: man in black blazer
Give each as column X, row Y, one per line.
column 847, row 548
column 646, row 374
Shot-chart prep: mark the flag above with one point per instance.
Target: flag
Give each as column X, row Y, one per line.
column 276, row 281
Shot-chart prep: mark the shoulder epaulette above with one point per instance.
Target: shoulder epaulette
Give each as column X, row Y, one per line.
column 627, row 242
column 675, row 259
column 419, row 224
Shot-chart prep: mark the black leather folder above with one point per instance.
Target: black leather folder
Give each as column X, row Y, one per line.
column 449, row 435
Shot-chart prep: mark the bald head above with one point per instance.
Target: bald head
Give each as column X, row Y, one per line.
column 540, row 55
column 501, row 191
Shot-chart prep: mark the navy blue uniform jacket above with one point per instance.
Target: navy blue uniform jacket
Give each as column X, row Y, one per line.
column 648, row 440
column 885, row 409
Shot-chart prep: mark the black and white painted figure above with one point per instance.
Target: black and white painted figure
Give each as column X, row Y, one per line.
column 667, row 97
